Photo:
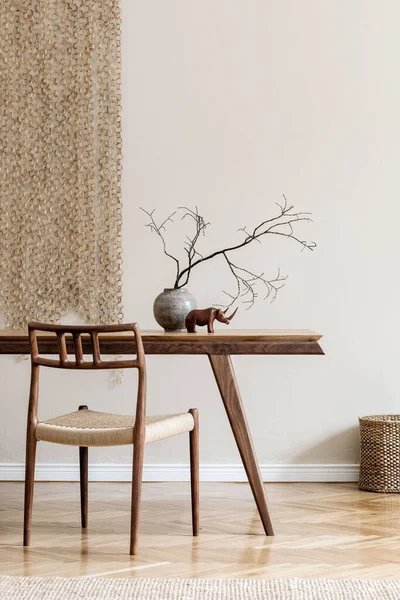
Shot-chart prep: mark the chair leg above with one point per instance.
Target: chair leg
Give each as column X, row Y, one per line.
column 84, row 479
column 84, row 483
column 194, row 470
column 137, row 474
column 29, row 485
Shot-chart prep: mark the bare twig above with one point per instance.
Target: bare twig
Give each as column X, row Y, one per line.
column 159, row 229
column 190, row 242
column 246, row 233
column 246, row 285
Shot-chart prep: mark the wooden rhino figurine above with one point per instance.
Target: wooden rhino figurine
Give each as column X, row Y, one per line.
column 206, row 316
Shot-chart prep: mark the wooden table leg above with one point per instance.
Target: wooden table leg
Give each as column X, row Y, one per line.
column 225, row 377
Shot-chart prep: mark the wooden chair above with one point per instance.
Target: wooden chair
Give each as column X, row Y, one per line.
column 86, row 428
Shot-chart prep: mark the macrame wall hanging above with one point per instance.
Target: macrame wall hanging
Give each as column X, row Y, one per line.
column 60, row 172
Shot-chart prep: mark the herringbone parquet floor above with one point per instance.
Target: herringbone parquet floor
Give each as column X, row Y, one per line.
column 323, row 530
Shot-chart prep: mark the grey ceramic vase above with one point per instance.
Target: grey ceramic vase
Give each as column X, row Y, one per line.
column 171, row 307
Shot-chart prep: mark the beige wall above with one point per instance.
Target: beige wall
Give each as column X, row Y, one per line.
column 227, row 105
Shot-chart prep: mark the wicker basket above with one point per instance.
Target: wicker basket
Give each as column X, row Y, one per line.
column 380, row 453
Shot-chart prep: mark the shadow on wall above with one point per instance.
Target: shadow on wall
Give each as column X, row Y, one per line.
column 332, row 446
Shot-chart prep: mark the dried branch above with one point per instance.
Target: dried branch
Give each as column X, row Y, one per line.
column 247, row 282
column 158, row 229
column 246, row 233
column 190, row 243
column 246, row 285
column 281, row 224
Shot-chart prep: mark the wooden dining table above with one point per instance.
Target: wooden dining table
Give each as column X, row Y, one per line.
column 219, row 347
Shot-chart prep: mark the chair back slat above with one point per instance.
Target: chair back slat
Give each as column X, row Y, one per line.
column 78, row 348
column 62, row 347
column 69, row 342
column 96, row 346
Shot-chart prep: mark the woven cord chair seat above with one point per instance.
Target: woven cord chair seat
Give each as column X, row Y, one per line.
column 92, row 428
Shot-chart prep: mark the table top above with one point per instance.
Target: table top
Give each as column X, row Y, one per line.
column 223, row 341
column 201, row 334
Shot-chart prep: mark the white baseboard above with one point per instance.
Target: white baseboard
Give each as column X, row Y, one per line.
column 180, row 472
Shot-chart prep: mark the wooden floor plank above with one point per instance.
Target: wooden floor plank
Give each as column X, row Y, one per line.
column 323, row 530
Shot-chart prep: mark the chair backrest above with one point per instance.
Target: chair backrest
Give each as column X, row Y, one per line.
column 79, row 340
